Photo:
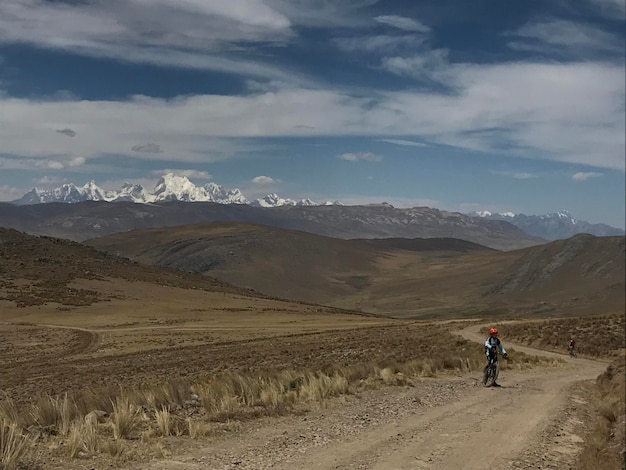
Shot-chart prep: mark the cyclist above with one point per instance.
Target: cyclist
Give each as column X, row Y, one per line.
column 492, row 345
column 571, row 347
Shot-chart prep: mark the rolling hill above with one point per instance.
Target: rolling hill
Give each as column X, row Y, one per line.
column 395, row 277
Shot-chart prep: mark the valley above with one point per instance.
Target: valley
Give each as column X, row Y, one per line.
column 424, row 278
column 222, row 343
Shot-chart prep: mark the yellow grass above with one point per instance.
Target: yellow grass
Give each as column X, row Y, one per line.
column 596, row 336
column 125, row 418
column 13, row 444
column 606, row 440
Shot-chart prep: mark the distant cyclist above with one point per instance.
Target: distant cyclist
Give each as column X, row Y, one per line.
column 571, row 347
column 492, row 346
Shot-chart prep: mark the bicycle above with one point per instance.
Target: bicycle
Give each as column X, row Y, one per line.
column 491, row 371
column 571, row 352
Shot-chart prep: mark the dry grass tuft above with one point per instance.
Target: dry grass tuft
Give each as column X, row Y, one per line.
column 82, row 439
column 115, row 448
column 125, row 418
column 55, row 412
column 163, row 421
column 318, row 386
column 606, row 441
column 8, row 410
column 554, row 334
column 14, row 446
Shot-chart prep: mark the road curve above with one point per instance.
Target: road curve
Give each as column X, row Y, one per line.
column 471, row 427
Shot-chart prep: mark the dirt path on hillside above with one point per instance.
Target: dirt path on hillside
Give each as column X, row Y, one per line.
column 535, row 420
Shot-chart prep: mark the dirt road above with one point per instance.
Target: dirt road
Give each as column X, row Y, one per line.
column 535, row 420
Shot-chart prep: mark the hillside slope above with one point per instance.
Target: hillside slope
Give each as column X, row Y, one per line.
column 284, row 263
column 399, row 277
column 91, row 219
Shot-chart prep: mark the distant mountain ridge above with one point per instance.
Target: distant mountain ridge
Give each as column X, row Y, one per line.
column 367, row 221
column 90, row 219
column 169, row 187
column 556, row 226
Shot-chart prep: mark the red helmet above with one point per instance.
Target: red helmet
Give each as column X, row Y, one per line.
column 493, row 331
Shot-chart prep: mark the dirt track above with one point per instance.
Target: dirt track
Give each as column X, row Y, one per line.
column 532, row 421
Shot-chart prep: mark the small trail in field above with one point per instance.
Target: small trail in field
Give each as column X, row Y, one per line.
column 445, row 423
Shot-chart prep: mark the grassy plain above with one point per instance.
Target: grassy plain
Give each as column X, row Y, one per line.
column 114, row 381
column 105, row 360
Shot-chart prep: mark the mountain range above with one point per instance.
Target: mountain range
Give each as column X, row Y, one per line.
column 358, row 223
column 555, row 226
column 169, row 187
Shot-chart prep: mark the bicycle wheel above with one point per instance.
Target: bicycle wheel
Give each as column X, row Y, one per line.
column 489, row 376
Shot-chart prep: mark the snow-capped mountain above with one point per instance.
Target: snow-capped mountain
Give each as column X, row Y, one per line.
column 273, row 200
column 68, row 192
column 169, row 187
column 555, row 226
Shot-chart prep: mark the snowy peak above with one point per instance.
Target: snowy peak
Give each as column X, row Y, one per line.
column 272, row 200
column 169, row 187
column 306, row 202
column 491, row 215
column 131, row 192
column 554, row 226
column 92, row 191
column 68, row 193
column 217, row 193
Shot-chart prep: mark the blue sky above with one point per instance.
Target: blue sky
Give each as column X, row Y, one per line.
column 483, row 105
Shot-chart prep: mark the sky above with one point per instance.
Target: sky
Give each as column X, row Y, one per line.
column 485, row 105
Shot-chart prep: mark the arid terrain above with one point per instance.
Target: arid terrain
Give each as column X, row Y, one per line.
column 535, row 420
column 109, row 362
column 395, row 277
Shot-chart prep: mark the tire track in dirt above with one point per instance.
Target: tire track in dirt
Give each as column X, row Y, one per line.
column 86, row 339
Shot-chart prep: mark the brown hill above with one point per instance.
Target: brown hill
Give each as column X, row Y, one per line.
column 36, row 270
column 91, row 219
column 283, row 263
column 568, row 272
column 397, row 277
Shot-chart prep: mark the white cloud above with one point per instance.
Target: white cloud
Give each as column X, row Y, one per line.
column 51, row 164
column 614, row 9
column 400, row 22
column 215, row 35
column 518, row 175
column 58, row 162
column 406, row 143
column 187, row 33
column 360, row 156
column 583, row 176
column 565, row 37
column 431, row 64
column 49, row 181
column 199, row 174
column 325, row 13
column 263, row 180
column 379, row 43
column 9, row 193
column 566, row 112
